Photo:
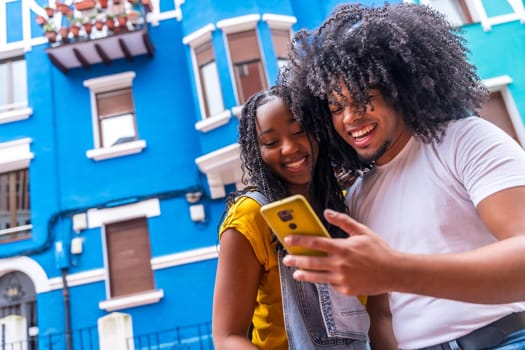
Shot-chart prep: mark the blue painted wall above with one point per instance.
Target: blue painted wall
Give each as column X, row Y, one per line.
column 64, row 180
column 498, row 52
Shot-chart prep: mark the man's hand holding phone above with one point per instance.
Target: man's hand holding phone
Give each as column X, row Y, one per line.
column 358, row 265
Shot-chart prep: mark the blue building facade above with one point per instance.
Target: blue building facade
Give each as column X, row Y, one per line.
column 118, row 147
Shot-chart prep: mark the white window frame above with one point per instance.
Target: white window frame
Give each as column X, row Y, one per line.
column 500, row 83
column 235, row 25
column 280, row 22
column 207, row 122
column 15, row 155
column 106, row 84
column 23, row 112
column 100, row 218
column 478, row 13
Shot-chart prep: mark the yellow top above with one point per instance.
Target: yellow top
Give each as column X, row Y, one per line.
column 268, row 320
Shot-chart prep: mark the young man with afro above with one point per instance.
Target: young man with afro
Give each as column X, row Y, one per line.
column 436, row 224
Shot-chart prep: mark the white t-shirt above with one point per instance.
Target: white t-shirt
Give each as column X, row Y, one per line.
column 424, row 201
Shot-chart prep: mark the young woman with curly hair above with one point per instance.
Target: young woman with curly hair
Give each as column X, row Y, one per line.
column 436, row 224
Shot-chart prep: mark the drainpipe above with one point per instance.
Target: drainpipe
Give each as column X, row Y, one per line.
column 67, row 310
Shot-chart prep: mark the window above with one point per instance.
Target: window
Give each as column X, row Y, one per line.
column 206, row 73
column 501, row 110
column 15, row 213
column 281, row 43
column 116, row 116
column 113, row 113
column 456, row 11
column 209, row 79
column 495, row 111
column 129, row 257
column 487, row 12
column 248, row 71
column 247, row 64
column 129, row 276
column 13, row 84
column 281, row 31
column 15, row 220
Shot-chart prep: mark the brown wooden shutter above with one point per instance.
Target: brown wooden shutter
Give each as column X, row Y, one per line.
column 250, row 79
column 115, row 103
column 247, row 64
column 281, row 42
column 204, row 54
column 129, row 256
column 244, row 46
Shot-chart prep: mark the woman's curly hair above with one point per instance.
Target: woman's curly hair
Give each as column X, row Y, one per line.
column 324, row 188
column 410, row 53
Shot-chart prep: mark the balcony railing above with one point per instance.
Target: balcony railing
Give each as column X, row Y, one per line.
column 89, row 32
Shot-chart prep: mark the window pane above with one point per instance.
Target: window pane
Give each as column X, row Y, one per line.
column 212, row 89
column 249, row 78
column 20, row 84
column 115, row 103
column 204, row 53
column 118, row 129
column 209, row 79
column 244, row 46
column 116, row 113
column 247, row 64
column 15, row 213
column 13, row 85
column 281, row 41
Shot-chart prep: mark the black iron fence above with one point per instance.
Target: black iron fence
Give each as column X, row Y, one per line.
column 191, row 337
column 79, row 339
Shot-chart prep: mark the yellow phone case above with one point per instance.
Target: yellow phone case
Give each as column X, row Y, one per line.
column 293, row 215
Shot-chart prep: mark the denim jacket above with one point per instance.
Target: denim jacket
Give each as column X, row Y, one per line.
column 318, row 317
column 315, row 315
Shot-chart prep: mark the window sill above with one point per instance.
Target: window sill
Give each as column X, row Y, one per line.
column 124, row 302
column 121, row 150
column 14, row 234
column 213, row 122
column 16, row 115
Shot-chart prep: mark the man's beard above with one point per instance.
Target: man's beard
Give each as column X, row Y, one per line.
column 375, row 156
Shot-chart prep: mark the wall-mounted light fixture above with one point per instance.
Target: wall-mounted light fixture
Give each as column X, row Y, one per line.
column 193, row 197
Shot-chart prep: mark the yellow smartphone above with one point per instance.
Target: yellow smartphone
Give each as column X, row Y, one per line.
column 293, row 215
